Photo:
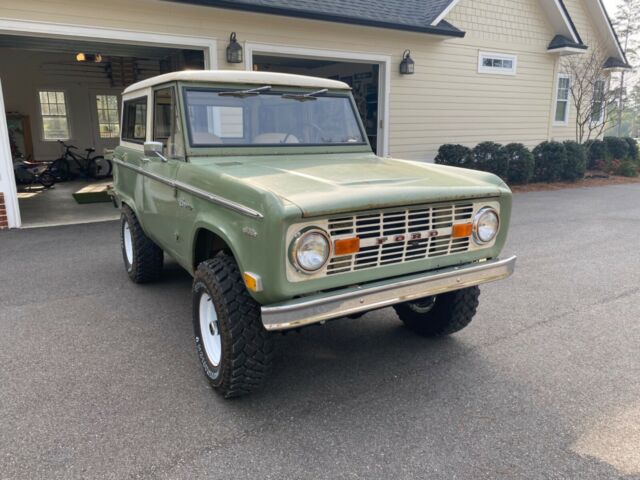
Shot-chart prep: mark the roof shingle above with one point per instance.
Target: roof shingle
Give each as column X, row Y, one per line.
column 413, row 15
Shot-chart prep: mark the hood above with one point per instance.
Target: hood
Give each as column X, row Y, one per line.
column 321, row 184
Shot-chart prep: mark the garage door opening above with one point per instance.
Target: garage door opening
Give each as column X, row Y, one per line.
column 363, row 78
column 62, row 90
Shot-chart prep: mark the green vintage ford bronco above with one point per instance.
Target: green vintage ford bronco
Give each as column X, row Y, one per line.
column 264, row 187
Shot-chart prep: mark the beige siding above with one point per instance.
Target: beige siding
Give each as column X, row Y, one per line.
column 445, row 101
column 587, row 29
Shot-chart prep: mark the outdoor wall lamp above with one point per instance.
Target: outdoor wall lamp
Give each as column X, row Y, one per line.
column 234, row 50
column 407, row 65
column 88, row 57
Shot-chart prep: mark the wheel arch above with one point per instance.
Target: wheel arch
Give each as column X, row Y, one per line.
column 207, row 242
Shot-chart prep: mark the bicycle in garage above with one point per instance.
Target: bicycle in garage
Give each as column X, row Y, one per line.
column 72, row 164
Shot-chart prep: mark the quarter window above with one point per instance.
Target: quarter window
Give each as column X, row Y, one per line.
column 499, row 63
column 53, row 109
column 598, row 106
column 562, row 99
column 134, row 120
column 166, row 123
column 108, row 121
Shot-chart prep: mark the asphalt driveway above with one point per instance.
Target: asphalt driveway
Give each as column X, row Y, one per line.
column 99, row 377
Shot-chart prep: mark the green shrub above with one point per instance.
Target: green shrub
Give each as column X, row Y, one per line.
column 627, row 168
column 490, row 157
column 454, row 155
column 617, row 148
column 576, row 163
column 633, row 149
column 521, row 163
column 550, row 159
column 596, row 152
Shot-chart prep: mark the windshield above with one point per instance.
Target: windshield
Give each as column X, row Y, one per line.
column 249, row 118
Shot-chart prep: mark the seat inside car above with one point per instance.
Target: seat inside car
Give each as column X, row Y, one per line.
column 275, row 137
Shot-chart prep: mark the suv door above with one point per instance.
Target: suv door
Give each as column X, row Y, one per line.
column 161, row 208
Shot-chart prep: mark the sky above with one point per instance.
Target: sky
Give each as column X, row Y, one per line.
column 610, row 5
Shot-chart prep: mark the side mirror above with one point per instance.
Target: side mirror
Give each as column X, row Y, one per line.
column 154, row 149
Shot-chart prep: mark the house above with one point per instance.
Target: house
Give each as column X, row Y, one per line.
column 483, row 69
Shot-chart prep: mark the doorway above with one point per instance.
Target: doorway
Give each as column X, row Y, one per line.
column 68, row 90
column 367, row 74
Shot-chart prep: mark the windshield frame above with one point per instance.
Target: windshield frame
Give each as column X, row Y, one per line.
column 278, row 90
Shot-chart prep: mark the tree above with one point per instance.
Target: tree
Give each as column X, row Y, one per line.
column 627, row 25
column 590, row 92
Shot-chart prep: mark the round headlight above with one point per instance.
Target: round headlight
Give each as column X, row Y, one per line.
column 485, row 225
column 310, row 251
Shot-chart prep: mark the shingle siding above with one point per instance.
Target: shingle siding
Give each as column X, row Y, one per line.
column 445, row 101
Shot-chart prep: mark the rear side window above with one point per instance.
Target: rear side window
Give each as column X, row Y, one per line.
column 134, row 120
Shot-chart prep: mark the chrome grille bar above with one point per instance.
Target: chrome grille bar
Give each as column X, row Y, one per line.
column 398, row 236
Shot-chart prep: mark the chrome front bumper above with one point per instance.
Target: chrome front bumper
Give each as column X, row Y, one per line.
column 348, row 301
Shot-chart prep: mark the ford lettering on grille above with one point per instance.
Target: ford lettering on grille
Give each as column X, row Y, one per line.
column 397, row 236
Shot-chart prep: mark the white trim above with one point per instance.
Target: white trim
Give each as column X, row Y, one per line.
column 384, row 87
column 494, row 70
column 7, row 179
column 444, row 13
column 565, row 122
column 110, row 35
column 12, row 26
column 574, row 37
column 41, row 119
column 614, row 37
column 567, row 50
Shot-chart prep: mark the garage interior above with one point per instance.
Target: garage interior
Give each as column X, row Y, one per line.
column 69, row 90
column 363, row 78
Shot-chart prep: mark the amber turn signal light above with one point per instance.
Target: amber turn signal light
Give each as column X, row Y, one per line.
column 346, row 246
column 461, row 230
column 252, row 281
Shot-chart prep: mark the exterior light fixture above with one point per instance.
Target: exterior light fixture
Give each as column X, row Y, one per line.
column 88, row 57
column 234, row 50
column 407, row 65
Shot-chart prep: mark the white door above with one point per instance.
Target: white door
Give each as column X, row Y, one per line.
column 105, row 119
column 7, row 180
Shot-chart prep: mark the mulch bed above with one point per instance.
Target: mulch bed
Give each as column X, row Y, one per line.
column 592, row 179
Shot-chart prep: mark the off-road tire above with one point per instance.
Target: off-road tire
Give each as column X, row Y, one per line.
column 451, row 312
column 247, row 348
column 146, row 264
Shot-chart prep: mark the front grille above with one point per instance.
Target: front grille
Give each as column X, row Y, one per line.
column 397, row 236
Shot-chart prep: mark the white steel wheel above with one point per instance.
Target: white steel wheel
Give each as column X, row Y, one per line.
column 210, row 329
column 128, row 242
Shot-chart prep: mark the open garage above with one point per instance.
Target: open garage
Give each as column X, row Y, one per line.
column 61, row 104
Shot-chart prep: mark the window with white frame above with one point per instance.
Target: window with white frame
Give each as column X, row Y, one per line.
column 500, row 63
column 53, row 111
column 562, row 99
column 598, row 104
column 108, row 118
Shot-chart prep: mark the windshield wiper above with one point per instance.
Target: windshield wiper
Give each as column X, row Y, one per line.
column 245, row 93
column 305, row 96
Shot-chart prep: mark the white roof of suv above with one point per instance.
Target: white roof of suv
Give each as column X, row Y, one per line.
column 239, row 76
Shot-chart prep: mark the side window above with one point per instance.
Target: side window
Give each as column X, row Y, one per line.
column 166, row 123
column 134, row 120
column 562, row 99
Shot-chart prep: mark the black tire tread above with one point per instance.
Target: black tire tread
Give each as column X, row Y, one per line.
column 452, row 312
column 248, row 349
column 147, row 256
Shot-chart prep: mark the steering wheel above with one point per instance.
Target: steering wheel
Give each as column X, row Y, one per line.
column 317, row 136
